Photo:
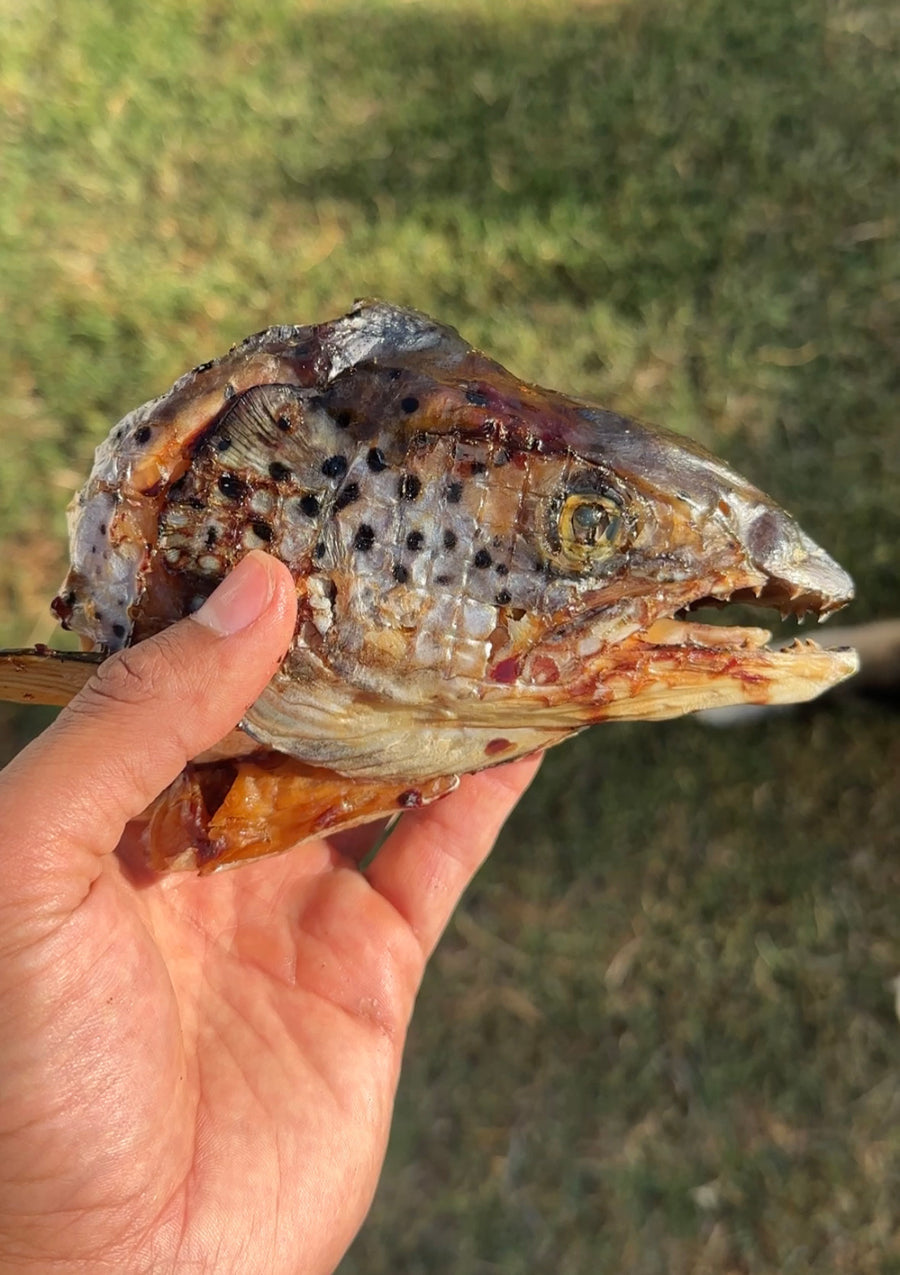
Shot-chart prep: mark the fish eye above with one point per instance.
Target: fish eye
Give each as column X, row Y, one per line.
column 591, row 527
column 590, row 523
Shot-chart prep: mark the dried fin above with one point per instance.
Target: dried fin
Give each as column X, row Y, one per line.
column 39, row 675
column 222, row 813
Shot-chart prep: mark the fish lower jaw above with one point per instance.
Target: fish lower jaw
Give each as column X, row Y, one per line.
column 677, row 667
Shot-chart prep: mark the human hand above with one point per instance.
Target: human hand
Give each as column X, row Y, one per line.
column 199, row 1074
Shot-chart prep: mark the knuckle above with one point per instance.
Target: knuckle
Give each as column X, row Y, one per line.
column 137, row 675
column 145, row 698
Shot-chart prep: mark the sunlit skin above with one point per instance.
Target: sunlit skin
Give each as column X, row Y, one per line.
column 199, row 1074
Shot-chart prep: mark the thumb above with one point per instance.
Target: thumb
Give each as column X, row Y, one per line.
column 65, row 800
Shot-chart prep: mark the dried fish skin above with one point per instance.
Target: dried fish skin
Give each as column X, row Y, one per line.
column 480, row 562
column 483, row 567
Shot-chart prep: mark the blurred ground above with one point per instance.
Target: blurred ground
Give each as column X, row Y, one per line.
column 661, row 1036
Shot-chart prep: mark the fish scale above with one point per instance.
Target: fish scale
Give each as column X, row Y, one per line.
column 407, row 579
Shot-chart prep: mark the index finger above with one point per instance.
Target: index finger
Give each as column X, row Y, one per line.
column 433, row 854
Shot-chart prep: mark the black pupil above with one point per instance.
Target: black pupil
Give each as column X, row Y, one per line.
column 590, row 522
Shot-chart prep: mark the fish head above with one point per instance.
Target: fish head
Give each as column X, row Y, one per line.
column 483, row 566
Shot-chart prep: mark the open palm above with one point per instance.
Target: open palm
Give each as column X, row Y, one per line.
column 199, row 1074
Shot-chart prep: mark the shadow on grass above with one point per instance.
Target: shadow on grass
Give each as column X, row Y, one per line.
column 672, row 127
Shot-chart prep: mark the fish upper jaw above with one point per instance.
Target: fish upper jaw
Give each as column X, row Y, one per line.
column 798, row 575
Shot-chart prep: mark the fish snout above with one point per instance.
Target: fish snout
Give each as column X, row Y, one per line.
column 799, row 575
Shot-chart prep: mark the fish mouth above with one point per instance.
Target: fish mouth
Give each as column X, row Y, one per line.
column 651, row 656
column 677, row 663
column 792, row 576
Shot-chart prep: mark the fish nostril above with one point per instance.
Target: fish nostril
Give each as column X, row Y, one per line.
column 763, row 536
column 795, row 566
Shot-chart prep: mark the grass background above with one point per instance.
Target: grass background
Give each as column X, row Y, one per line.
column 661, row 1035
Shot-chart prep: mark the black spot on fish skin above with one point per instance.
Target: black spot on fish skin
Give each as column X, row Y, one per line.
column 375, row 460
column 119, row 630
column 501, row 568
column 319, row 551
column 284, row 424
column 335, row 467
column 232, row 487
column 212, row 536
column 223, row 443
column 278, row 471
column 343, row 419
column 482, row 559
column 347, row 496
column 410, row 404
column 415, row 540
column 476, row 398
column 364, row 538
column 454, row 493
column 262, row 529
column 504, row 597
column 202, row 367
column 309, row 504
column 443, row 579
column 479, row 467
column 142, row 435
column 401, row 575
column 409, row 487
column 450, row 540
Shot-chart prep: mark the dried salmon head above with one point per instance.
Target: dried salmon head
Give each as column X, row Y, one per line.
column 483, row 567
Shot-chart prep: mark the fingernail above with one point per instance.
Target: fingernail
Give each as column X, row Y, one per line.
column 240, row 599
